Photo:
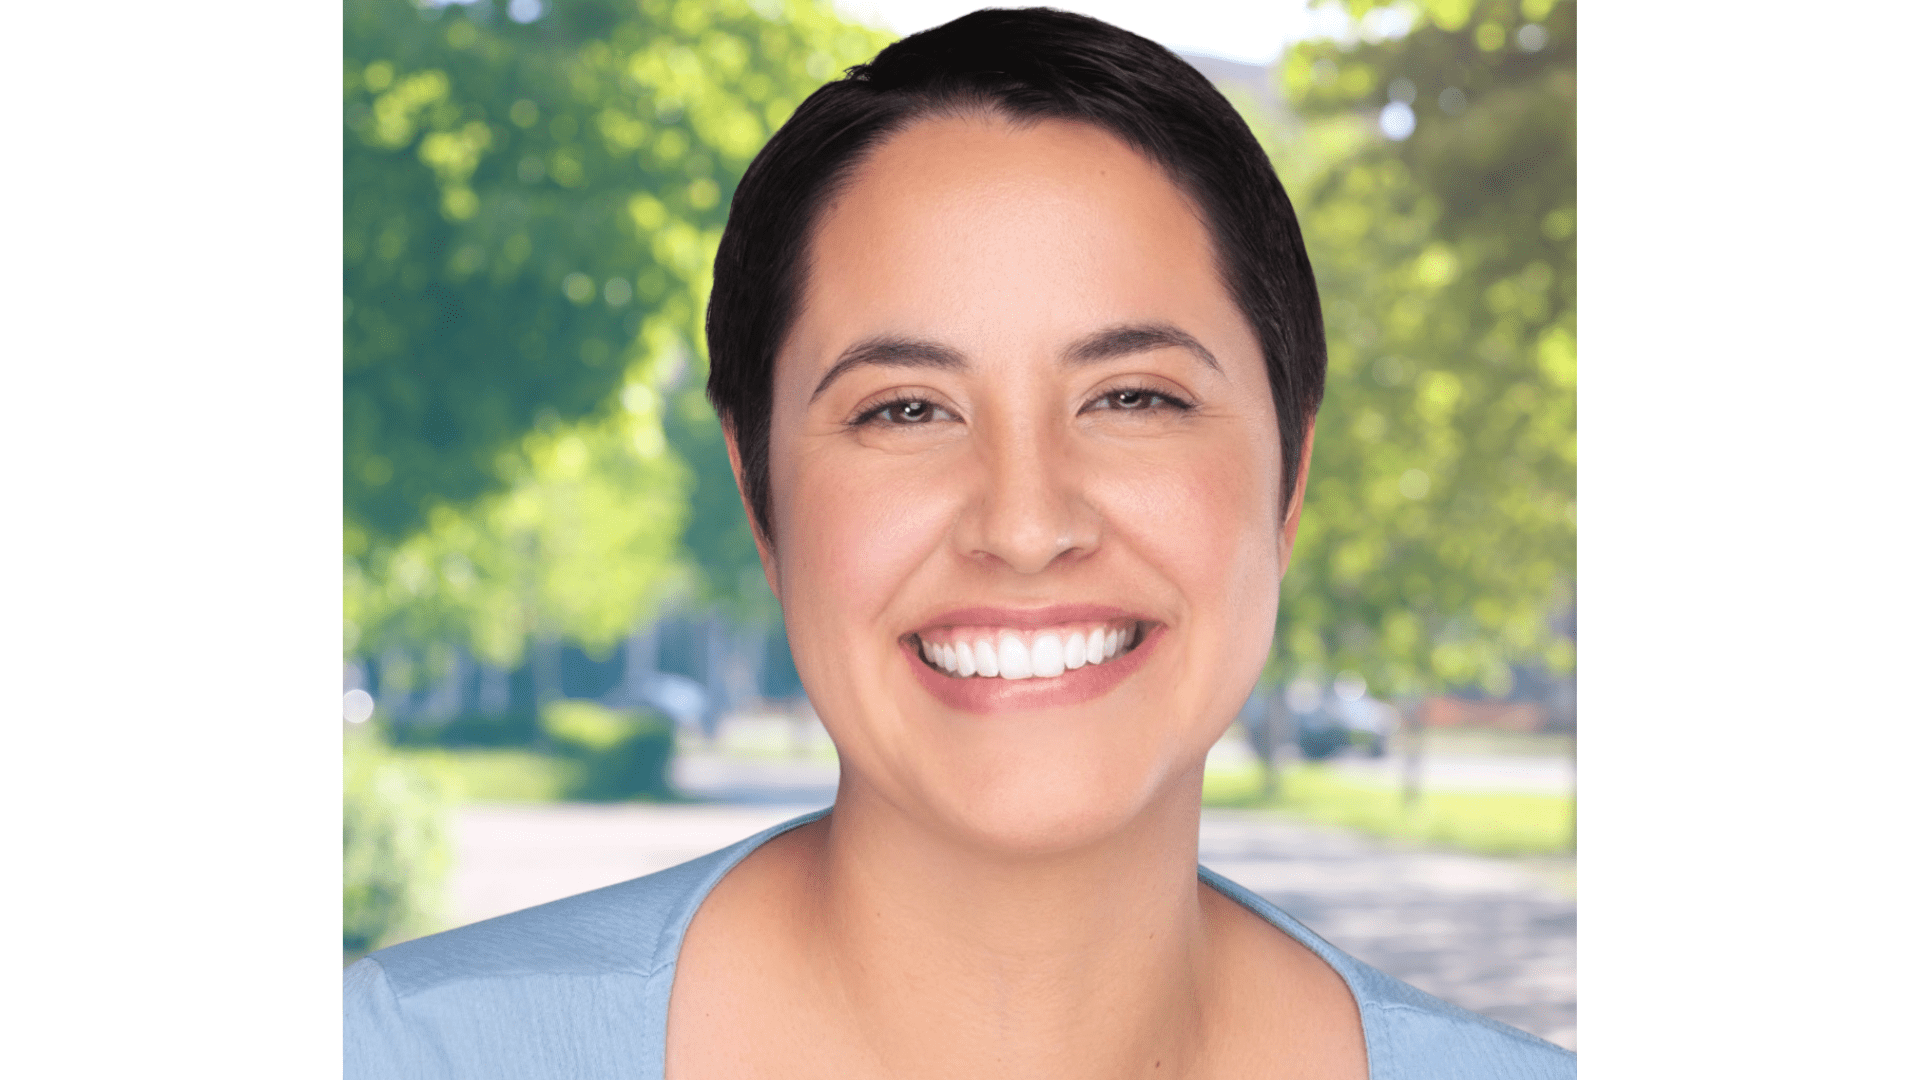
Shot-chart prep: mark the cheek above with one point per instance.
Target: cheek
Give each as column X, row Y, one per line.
column 1208, row 518
column 851, row 537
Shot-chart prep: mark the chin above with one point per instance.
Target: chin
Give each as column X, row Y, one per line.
column 1032, row 805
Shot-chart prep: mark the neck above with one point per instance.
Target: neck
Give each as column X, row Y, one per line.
column 1083, row 962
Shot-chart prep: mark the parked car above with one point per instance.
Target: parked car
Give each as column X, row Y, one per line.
column 1327, row 724
column 678, row 696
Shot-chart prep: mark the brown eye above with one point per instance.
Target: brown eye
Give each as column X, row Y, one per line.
column 1138, row 399
column 916, row 412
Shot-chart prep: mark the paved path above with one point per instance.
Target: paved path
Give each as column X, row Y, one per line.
column 1491, row 935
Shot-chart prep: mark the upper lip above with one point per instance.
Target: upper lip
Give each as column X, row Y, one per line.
column 1031, row 618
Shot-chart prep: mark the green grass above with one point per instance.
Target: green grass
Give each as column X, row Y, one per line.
column 478, row 775
column 1495, row 743
column 1487, row 823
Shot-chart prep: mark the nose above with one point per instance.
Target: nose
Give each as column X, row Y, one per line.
column 1029, row 511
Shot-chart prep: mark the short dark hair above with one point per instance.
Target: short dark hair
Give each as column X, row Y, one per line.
column 1025, row 64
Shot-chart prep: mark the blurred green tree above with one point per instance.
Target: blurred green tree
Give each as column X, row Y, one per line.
column 1437, row 547
column 531, row 214
column 396, row 847
column 583, row 540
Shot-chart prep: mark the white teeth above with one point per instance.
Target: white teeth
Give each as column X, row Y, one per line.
column 1047, row 656
column 986, row 659
column 1076, row 651
column 1015, row 663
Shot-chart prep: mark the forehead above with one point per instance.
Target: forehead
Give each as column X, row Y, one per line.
column 979, row 230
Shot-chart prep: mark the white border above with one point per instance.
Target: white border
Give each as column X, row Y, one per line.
column 1746, row 585
column 172, row 443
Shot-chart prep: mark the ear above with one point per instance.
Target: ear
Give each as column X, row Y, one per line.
column 1291, row 526
column 760, row 542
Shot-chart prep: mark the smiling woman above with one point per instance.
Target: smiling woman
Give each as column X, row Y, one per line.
column 1018, row 352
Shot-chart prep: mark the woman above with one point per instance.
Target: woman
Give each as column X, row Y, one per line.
column 1018, row 351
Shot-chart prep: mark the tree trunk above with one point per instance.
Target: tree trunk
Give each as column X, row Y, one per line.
column 1416, row 749
column 1276, row 737
column 546, row 670
column 716, row 656
column 643, row 661
column 494, row 696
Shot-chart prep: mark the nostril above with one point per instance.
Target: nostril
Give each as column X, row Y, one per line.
column 1030, row 519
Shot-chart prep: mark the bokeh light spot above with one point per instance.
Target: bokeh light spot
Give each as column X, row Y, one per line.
column 356, row 707
column 1397, row 121
column 1350, row 686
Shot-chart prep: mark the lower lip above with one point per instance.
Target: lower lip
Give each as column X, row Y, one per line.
column 983, row 695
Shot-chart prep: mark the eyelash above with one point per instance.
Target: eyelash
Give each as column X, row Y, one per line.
column 873, row 414
column 1150, row 393
column 1169, row 400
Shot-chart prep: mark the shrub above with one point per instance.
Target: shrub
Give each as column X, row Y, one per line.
column 498, row 729
column 496, row 774
column 623, row 753
column 397, row 849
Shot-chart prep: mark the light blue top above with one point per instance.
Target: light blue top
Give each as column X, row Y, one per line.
column 578, row 988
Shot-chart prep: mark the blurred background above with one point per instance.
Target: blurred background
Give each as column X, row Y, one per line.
column 562, row 666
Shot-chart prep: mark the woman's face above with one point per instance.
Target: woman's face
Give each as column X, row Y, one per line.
column 1025, row 480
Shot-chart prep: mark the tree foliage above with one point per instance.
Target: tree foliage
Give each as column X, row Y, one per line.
column 531, row 217
column 582, row 541
column 1437, row 547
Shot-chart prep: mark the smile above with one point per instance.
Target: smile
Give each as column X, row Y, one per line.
column 998, row 660
column 998, row 652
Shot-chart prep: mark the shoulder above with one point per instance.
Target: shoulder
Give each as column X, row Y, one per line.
column 563, row 989
column 1410, row 1034
column 575, row 987
column 617, row 930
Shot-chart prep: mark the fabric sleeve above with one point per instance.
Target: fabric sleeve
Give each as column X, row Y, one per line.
column 1421, row 1044
column 380, row 1044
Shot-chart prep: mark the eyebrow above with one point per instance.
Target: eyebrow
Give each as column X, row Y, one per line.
column 892, row 352
column 1127, row 340
column 1101, row 345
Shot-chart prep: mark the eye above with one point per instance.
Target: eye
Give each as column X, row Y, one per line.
column 1138, row 399
column 904, row 412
